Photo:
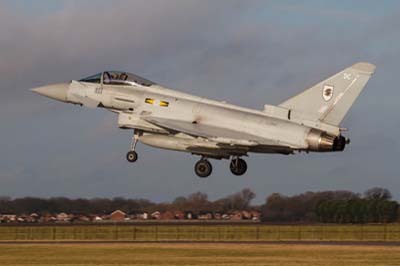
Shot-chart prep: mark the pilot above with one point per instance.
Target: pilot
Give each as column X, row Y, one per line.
column 106, row 78
column 123, row 76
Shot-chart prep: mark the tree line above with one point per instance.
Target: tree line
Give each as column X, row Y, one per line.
column 197, row 203
column 357, row 211
column 374, row 206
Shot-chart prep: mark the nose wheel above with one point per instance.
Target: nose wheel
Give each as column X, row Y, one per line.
column 203, row 168
column 238, row 166
column 132, row 155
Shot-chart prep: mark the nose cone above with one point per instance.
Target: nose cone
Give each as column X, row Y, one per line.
column 55, row 91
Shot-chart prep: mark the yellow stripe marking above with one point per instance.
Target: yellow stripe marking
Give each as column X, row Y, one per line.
column 156, row 102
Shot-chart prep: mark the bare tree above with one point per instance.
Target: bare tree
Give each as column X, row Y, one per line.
column 198, row 202
column 247, row 195
column 378, row 193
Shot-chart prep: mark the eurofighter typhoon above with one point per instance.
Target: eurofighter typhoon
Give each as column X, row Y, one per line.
column 168, row 119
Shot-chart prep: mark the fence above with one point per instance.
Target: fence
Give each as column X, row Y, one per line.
column 389, row 232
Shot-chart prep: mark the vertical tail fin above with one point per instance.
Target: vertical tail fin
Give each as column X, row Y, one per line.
column 330, row 100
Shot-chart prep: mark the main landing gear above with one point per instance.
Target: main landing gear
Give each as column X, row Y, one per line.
column 203, row 168
column 238, row 166
column 132, row 155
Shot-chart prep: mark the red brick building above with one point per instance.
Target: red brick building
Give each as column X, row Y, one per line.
column 117, row 216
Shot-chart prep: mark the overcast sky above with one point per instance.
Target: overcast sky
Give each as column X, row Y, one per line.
column 245, row 52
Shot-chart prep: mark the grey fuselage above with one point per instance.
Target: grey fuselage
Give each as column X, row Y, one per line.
column 130, row 103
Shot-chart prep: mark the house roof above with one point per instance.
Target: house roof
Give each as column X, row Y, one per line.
column 118, row 212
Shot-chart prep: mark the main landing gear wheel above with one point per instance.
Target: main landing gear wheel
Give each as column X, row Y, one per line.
column 132, row 156
column 203, row 168
column 238, row 166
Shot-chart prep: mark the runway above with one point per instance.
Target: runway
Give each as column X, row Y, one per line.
column 321, row 243
column 286, row 253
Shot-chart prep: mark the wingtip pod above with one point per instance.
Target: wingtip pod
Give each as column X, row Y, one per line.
column 364, row 67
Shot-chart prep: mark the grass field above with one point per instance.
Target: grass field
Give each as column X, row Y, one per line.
column 196, row 254
column 228, row 233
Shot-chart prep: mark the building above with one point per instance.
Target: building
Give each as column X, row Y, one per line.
column 217, row 216
column 205, row 216
column 97, row 218
column 168, row 215
column 189, row 215
column 47, row 218
column 83, row 218
column 117, row 216
column 179, row 215
column 256, row 216
column 142, row 216
column 33, row 218
column 62, row 217
column 246, row 215
column 8, row 218
column 236, row 215
column 156, row 215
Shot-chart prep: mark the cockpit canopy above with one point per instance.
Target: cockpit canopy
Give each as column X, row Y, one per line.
column 118, row 78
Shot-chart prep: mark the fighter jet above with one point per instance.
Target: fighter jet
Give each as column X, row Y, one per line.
column 168, row 119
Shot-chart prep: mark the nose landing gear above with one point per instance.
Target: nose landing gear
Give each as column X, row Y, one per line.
column 238, row 166
column 132, row 155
